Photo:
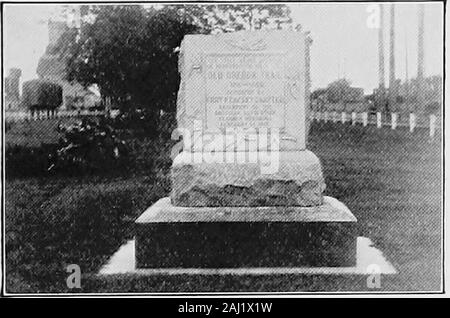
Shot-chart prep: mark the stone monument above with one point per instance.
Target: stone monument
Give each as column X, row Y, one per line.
column 245, row 190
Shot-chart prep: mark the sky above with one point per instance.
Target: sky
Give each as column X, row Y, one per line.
column 344, row 43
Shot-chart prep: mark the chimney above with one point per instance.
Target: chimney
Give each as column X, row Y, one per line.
column 381, row 51
column 420, row 56
column 392, row 89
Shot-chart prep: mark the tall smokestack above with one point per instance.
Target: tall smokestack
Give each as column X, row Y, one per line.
column 381, row 51
column 420, row 56
column 406, row 67
column 392, row 54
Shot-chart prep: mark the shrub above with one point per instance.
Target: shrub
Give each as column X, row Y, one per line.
column 89, row 146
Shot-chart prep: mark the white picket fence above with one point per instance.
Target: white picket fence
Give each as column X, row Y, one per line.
column 391, row 120
column 353, row 118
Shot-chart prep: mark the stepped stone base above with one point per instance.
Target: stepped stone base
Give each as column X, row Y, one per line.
column 272, row 179
column 169, row 236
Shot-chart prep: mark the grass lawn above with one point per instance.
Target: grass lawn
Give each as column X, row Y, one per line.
column 390, row 180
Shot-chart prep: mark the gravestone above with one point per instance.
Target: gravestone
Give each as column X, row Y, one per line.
column 245, row 190
column 240, row 90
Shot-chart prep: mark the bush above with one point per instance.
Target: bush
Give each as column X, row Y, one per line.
column 87, row 147
column 95, row 149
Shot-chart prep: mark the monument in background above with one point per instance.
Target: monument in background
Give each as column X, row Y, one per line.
column 245, row 190
column 12, row 90
column 52, row 68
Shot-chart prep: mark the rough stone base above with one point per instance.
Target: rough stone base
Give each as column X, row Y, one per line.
column 269, row 179
column 178, row 237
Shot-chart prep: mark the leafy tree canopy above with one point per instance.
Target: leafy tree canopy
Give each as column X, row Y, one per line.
column 130, row 51
column 231, row 17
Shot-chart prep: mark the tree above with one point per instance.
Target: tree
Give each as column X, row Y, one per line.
column 130, row 51
column 336, row 91
column 41, row 95
column 213, row 18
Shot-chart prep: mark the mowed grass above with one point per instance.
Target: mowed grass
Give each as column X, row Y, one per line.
column 391, row 181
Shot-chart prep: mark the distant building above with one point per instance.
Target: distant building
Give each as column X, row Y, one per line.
column 52, row 67
column 12, row 89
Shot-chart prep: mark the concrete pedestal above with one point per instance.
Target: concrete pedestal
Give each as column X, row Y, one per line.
column 170, row 236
